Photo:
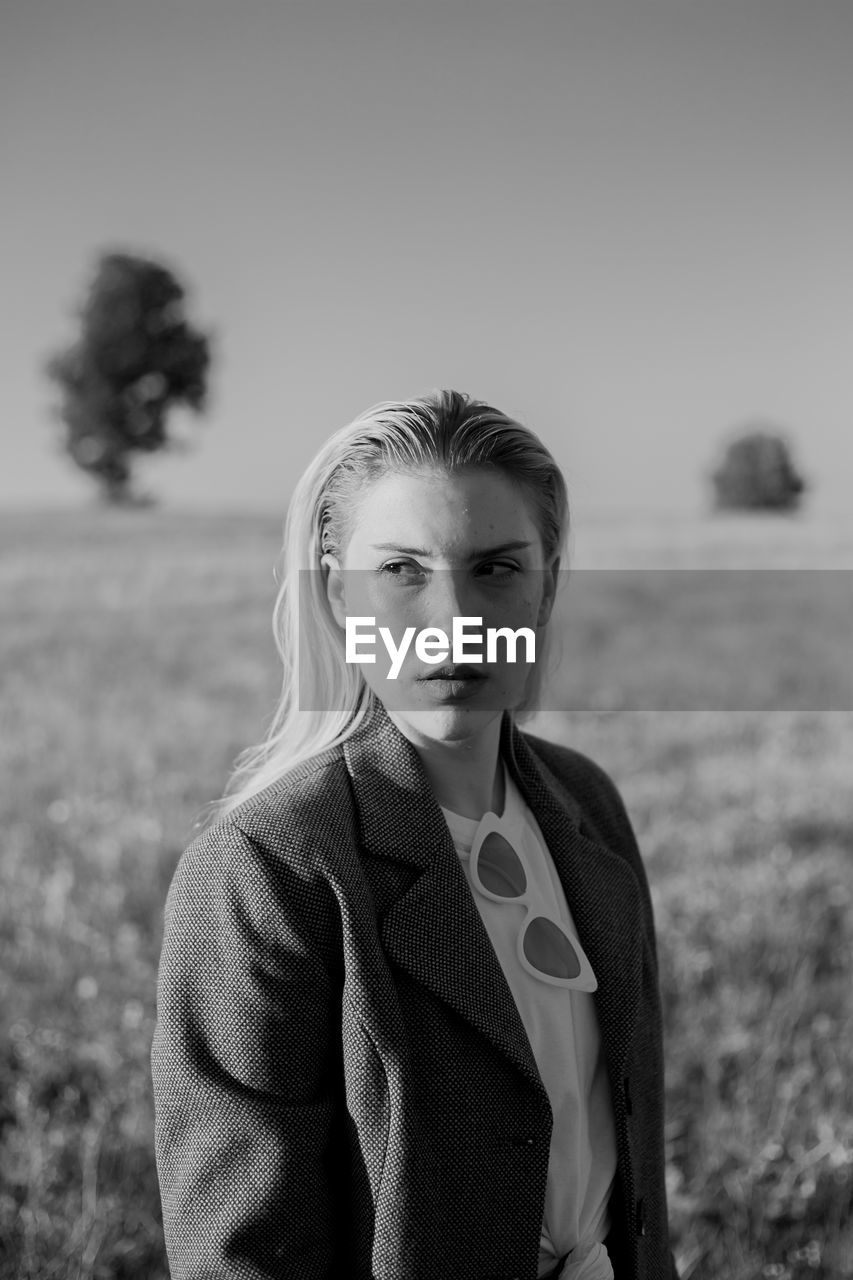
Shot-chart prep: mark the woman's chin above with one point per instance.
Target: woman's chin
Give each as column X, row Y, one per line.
column 446, row 722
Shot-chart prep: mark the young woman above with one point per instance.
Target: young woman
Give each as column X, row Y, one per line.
column 409, row 1024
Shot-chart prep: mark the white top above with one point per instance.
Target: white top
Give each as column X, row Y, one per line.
column 562, row 1028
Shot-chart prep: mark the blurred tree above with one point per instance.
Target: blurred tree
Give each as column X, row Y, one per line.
column 136, row 358
column 757, row 473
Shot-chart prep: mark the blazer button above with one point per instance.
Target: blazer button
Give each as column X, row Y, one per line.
column 641, row 1219
column 522, row 1140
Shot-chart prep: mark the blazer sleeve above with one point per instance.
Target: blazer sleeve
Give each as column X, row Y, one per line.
column 243, row 1064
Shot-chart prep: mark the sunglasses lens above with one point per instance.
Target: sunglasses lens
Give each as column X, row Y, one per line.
column 499, row 867
column 550, row 950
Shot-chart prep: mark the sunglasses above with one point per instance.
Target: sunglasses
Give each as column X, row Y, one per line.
column 546, row 949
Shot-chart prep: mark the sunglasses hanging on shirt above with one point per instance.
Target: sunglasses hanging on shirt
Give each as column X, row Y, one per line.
column 546, row 949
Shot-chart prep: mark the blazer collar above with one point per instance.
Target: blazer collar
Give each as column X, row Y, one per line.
column 432, row 928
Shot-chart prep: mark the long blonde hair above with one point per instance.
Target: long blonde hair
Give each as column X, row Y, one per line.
column 444, row 430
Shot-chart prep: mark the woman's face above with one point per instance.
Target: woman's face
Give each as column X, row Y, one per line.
column 427, row 547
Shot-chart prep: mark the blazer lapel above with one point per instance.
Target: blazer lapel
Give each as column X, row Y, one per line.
column 431, row 927
column 602, row 892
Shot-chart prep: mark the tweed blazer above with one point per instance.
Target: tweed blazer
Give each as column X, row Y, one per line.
column 343, row 1083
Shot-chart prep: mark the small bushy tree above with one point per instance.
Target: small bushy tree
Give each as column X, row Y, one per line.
column 757, row 473
column 135, row 359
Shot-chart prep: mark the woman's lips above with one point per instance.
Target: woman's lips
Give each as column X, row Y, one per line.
column 455, row 672
column 453, row 683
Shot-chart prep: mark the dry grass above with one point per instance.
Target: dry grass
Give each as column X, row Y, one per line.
column 135, row 664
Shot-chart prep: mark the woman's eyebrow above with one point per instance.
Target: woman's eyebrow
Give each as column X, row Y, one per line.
column 479, row 553
column 394, row 546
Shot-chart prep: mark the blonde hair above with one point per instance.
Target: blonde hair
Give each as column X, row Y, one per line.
column 444, row 430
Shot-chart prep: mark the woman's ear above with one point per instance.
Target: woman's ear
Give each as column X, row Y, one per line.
column 335, row 587
column 550, row 582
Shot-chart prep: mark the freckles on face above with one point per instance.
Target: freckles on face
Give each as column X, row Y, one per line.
column 446, row 518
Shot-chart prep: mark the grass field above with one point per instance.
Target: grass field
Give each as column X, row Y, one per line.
column 136, row 661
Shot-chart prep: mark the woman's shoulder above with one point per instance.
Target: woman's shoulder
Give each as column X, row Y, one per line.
column 590, row 793
column 295, row 818
column 587, row 781
column 311, row 800
column 594, row 798
column 270, row 859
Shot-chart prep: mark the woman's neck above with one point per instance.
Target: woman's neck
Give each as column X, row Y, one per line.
column 466, row 776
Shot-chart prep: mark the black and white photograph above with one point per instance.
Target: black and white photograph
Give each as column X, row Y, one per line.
column 426, row 618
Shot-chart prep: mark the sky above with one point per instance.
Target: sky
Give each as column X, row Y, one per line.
column 625, row 222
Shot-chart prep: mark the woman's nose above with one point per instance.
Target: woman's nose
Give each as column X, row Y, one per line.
column 450, row 596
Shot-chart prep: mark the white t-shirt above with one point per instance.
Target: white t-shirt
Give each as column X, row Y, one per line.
column 562, row 1028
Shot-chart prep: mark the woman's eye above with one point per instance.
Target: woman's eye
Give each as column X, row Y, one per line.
column 405, row 570
column 498, row 569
